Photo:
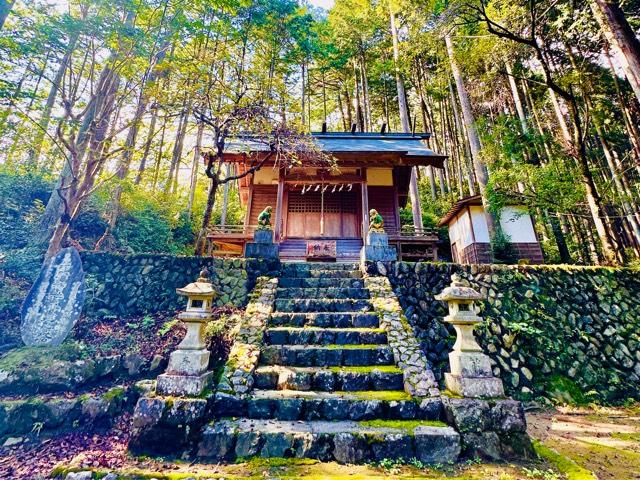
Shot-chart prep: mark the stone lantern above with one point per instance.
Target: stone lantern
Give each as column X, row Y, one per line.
column 187, row 373
column 471, row 374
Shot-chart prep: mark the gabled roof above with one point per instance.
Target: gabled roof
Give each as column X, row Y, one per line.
column 458, row 207
column 410, row 148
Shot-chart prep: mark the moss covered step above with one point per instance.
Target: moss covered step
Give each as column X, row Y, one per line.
column 328, row 379
column 322, row 305
column 289, row 267
column 327, row 292
column 311, row 405
column 325, row 336
column 325, row 319
column 344, row 442
column 345, row 274
column 326, row 355
column 321, row 282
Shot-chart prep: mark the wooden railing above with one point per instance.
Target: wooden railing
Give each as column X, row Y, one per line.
column 231, row 230
column 409, row 231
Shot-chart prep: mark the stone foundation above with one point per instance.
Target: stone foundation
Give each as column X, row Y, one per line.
column 129, row 285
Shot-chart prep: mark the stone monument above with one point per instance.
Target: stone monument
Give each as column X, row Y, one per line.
column 262, row 245
column 55, row 300
column 187, row 373
column 377, row 248
column 471, row 374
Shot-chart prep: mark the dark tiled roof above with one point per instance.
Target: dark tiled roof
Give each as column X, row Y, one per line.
column 457, row 207
column 412, row 146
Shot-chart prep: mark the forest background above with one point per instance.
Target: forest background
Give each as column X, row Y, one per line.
column 106, row 107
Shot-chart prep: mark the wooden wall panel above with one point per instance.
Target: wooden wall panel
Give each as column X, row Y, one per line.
column 384, row 201
column 263, row 196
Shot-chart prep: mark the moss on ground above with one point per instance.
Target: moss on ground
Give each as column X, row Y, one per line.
column 42, row 356
column 367, row 369
column 289, row 468
column 357, row 346
column 564, row 465
column 114, row 394
column 385, row 395
column 407, row 425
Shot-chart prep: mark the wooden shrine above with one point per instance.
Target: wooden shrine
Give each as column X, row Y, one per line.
column 318, row 209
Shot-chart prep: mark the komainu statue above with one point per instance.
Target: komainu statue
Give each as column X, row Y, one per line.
column 376, row 222
column 264, row 219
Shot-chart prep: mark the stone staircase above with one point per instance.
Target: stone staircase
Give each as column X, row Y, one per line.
column 326, row 385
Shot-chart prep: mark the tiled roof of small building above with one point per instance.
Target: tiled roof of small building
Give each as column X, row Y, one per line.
column 457, row 207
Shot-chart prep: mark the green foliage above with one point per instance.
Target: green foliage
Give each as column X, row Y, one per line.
column 22, row 199
column 502, row 249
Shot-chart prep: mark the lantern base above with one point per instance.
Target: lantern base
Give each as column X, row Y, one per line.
column 474, row 387
column 183, row 385
column 470, row 364
column 188, row 362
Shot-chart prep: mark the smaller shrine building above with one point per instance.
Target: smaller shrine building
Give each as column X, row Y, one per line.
column 469, row 234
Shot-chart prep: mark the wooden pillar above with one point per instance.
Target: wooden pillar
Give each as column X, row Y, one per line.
column 365, row 208
column 279, row 202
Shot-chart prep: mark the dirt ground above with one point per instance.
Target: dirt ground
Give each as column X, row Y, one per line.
column 606, row 441
column 575, row 444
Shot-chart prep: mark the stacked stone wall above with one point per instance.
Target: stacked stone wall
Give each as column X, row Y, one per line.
column 572, row 333
column 128, row 285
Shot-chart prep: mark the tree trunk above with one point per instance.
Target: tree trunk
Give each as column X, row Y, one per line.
column 156, row 169
column 225, row 196
column 359, row 116
column 621, row 37
column 177, row 147
column 194, row 168
column 43, row 124
column 147, row 145
column 414, row 194
column 206, row 218
column 482, row 175
column 516, row 98
column 303, row 97
column 82, row 174
column 5, row 9
column 54, row 207
column 365, row 91
column 345, row 126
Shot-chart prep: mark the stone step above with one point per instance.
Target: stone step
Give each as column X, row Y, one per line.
column 345, row 442
column 353, row 274
column 291, row 282
column 325, row 319
column 326, row 355
column 328, row 292
column 322, row 305
column 314, row 405
column 328, row 379
column 325, row 336
column 310, row 266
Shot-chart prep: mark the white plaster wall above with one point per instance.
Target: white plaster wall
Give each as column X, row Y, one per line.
column 516, row 223
column 479, row 220
column 460, row 231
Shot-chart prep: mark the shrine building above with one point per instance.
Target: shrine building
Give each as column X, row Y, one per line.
column 314, row 205
column 469, row 232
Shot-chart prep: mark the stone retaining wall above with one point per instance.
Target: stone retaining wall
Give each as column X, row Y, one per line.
column 129, row 285
column 554, row 331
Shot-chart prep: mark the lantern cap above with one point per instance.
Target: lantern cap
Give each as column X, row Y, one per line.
column 200, row 287
column 458, row 291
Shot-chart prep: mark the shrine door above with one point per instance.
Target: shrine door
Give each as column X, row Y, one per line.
column 338, row 212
